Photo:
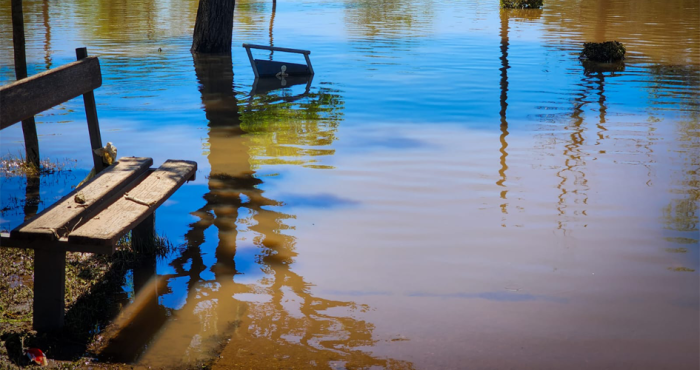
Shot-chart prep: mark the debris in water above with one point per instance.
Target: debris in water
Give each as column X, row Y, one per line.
column 609, row 51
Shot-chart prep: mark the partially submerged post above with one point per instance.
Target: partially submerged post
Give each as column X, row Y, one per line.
column 31, row 141
column 522, row 4
column 609, row 51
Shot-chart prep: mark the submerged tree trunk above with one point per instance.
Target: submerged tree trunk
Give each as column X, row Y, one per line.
column 213, row 29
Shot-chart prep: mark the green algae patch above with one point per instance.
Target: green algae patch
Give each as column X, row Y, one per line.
column 522, row 4
column 609, row 51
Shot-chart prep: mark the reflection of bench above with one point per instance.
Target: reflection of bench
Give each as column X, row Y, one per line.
column 271, row 68
column 122, row 197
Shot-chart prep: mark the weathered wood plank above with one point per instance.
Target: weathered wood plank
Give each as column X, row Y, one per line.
column 65, row 214
column 130, row 210
column 24, row 98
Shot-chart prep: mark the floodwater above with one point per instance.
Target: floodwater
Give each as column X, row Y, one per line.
column 454, row 189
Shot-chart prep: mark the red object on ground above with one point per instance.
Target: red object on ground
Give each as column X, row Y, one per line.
column 37, row 356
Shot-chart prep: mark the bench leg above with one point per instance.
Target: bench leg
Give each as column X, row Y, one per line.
column 143, row 240
column 143, row 235
column 49, row 289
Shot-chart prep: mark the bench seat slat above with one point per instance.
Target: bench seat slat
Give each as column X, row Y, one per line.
column 106, row 227
column 58, row 219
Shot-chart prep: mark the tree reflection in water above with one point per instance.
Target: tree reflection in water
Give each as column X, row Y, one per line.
column 272, row 319
column 504, row 108
column 681, row 215
column 505, row 15
column 394, row 19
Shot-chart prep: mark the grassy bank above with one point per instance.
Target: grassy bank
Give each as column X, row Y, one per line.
column 94, row 295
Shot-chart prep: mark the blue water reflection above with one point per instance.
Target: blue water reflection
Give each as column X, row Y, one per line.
column 441, row 147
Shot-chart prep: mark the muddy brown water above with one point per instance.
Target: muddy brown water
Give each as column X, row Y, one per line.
column 454, row 189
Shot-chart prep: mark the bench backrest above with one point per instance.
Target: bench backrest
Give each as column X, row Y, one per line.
column 32, row 95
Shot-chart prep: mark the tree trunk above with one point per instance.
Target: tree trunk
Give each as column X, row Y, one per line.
column 213, row 29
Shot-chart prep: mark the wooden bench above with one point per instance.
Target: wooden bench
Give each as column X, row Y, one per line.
column 121, row 198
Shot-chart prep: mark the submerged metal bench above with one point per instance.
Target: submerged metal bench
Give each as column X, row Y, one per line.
column 117, row 200
column 271, row 68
